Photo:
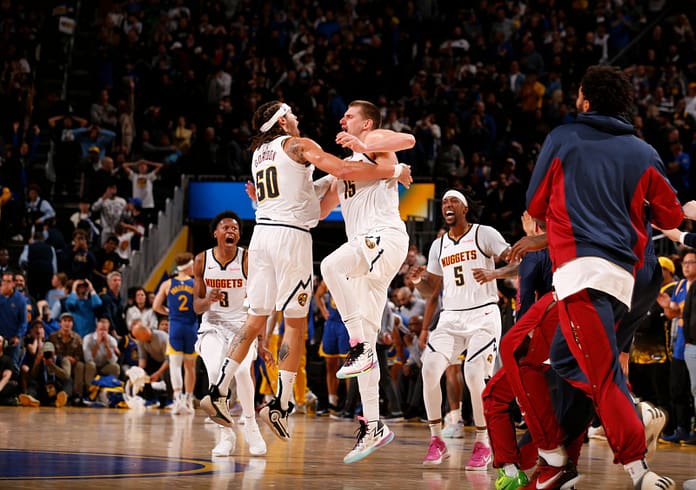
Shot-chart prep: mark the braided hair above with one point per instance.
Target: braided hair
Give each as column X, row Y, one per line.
column 263, row 114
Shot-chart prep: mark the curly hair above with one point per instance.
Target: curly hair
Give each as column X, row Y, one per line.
column 263, row 114
column 225, row 215
column 608, row 90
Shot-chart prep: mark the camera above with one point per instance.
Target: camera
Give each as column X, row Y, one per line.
column 48, row 355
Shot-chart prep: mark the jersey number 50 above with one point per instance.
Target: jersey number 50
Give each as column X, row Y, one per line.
column 267, row 183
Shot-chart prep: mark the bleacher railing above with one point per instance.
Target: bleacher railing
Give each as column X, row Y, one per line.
column 159, row 237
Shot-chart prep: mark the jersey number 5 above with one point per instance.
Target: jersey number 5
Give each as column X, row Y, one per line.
column 267, row 184
column 458, row 275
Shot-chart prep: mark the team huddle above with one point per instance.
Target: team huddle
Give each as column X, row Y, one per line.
column 592, row 240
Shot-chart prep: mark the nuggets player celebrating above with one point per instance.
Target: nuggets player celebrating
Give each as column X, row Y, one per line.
column 183, row 324
column 220, row 280
column 469, row 320
column 359, row 272
column 280, row 251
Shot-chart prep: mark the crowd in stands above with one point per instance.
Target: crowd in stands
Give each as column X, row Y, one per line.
column 175, row 85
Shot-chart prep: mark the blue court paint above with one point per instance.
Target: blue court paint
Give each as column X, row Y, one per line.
column 52, row 465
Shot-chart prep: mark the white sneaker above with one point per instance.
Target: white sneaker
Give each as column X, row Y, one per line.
column 360, row 360
column 228, row 440
column 177, row 407
column 454, row 427
column 654, row 420
column 596, row 433
column 652, row 480
column 369, row 440
column 690, row 485
column 253, row 438
column 189, row 409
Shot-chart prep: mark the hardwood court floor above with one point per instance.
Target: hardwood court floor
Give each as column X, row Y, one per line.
column 106, row 448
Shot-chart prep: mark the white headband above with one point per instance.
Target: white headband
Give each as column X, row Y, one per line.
column 282, row 110
column 456, row 195
column 188, row 264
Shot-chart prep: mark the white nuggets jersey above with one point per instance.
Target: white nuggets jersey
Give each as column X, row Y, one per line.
column 284, row 188
column 369, row 205
column 454, row 261
column 229, row 278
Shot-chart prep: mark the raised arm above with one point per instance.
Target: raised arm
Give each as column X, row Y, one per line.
column 377, row 141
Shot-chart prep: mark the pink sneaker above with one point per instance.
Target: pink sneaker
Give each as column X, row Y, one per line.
column 437, row 451
column 480, row 458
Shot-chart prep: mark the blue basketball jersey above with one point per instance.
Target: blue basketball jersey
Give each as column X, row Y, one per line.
column 180, row 301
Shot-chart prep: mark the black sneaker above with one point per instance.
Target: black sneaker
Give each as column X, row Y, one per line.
column 345, row 415
column 217, row 409
column 277, row 418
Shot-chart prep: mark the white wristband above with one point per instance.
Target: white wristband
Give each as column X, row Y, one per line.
column 398, row 168
column 416, row 281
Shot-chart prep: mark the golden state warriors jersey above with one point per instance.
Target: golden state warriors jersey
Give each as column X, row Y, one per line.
column 284, row 189
column 230, row 280
column 455, row 261
column 369, row 205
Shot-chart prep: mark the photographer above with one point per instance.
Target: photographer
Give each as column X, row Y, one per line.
column 45, row 376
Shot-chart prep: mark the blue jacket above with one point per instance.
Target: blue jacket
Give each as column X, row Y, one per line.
column 13, row 315
column 592, row 181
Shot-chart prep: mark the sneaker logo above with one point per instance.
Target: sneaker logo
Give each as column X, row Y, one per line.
column 549, row 483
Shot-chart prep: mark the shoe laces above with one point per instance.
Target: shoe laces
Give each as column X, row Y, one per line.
column 361, row 434
column 355, row 352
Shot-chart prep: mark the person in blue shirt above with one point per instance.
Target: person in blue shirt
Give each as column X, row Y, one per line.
column 13, row 318
column 82, row 303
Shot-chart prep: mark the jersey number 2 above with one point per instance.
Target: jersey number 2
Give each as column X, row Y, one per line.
column 267, row 184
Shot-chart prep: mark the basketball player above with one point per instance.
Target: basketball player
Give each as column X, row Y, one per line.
column 470, row 320
column 597, row 239
column 220, row 280
column 359, row 272
column 280, row 265
column 183, row 324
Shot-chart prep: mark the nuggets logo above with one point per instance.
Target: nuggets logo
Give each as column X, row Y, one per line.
column 302, row 299
column 489, row 359
column 370, row 243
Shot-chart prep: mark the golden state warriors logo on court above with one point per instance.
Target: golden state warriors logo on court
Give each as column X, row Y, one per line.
column 302, row 299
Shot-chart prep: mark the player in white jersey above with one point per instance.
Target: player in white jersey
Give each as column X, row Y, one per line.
column 280, row 264
column 359, row 272
column 220, row 286
column 469, row 320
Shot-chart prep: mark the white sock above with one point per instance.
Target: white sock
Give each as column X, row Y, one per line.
column 227, row 371
column 333, row 400
column 636, row 469
column 354, row 325
column 555, row 457
column 482, row 436
column 435, row 429
column 511, row 470
column 285, row 382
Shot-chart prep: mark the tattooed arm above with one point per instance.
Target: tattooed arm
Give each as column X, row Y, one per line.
column 304, row 150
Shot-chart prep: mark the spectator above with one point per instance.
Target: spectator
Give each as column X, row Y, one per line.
column 50, row 324
column 59, row 283
column 113, row 305
column 4, row 260
column 13, row 318
column 39, row 259
column 38, row 211
column 103, row 113
column 101, row 353
column 141, row 310
column 82, row 219
column 108, row 260
column 142, row 184
column 83, row 303
column 110, row 206
column 410, row 382
column 78, row 261
column 68, row 345
column 8, row 383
